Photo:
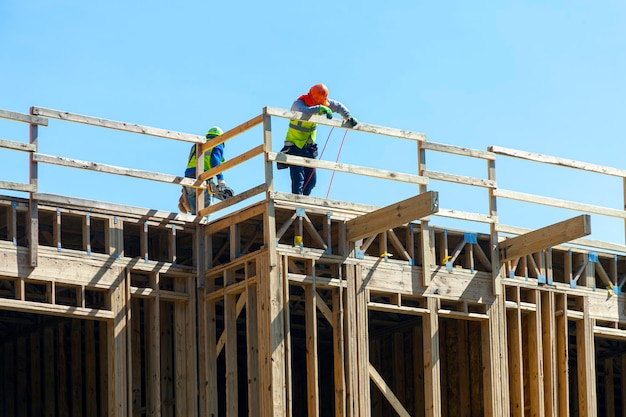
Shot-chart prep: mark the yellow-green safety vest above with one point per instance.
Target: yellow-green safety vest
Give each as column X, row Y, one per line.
column 207, row 159
column 300, row 132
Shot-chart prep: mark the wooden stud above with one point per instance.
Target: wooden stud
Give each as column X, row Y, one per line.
column 586, row 364
column 562, row 354
column 312, row 366
column 516, row 372
column 548, row 334
column 252, row 333
column 230, row 321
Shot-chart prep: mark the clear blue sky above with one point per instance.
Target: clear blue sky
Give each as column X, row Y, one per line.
column 545, row 77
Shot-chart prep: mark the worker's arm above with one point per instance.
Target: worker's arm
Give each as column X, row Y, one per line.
column 338, row 107
column 300, row 106
column 217, row 155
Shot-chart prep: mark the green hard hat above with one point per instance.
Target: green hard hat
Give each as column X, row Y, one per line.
column 214, row 131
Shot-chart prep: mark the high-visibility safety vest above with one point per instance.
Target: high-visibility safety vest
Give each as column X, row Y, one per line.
column 299, row 133
column 207, row 159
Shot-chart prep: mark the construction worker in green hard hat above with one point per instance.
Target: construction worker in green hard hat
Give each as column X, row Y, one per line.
column 300, row 140
column 212, row 158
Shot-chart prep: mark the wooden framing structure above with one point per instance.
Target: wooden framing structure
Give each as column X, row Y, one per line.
column 299, row 306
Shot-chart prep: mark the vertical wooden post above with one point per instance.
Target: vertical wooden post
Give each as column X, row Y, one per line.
column 191, row 358
column 362, row 343
column 548, row 332
column 117, row 345
column 284, row 272
column 153, row 351
column 312, row 371
column 562, row 353
column 535, row 357
column 494, row 348
column 105, row 387
column 432, row 363
column 172, row 245
column 272, row 308
column 493, row 214
column 87, row 233
column 338, row 352
column 585, row 350
column 33, row 209
column 425, row 230
column 352, row 382
column 252, row 332
column 419, row 399
column 200, row 203
column 230, row 329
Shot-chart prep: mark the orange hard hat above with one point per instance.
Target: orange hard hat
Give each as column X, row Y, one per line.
column 319, row 94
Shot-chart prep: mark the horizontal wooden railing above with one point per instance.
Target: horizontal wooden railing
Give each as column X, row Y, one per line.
column 419, row 174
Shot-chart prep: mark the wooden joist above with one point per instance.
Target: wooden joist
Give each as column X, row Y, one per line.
column 545, row 237
column 394, row 215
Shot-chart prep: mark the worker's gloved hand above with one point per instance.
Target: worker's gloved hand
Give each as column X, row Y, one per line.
column 352, row 121
column 221, row 183
column 325, row 110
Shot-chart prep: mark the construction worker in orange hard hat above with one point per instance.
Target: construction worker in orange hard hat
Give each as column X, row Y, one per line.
column 300, row 140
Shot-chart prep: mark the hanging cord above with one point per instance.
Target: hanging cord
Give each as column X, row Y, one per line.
column 320, row 157
column 336, row 160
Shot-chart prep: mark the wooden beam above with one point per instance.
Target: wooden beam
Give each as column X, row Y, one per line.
column 20, row 117
column 350, row 169
column 545, row 237
column 393, row 215
column 111, row 169
column 338, row 123
column 110, row 124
